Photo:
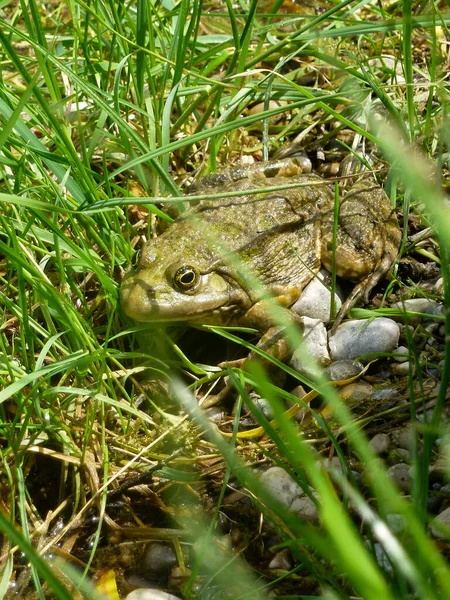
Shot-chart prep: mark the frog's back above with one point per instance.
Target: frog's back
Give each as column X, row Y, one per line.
column 274, row 232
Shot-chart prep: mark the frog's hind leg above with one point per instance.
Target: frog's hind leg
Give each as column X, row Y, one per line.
column 367, row 241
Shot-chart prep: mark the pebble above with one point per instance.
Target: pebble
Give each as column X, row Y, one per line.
column 396, row 523
column 305, row 508
column 315, row 300
column 439, row 470
column 281, row 485
column 380, row 443
column 399, row 474
column 178, row 578
column 439, row 287
column 356, row 391
column 215, row 414
column 402, row 368
column 382, row 558
column 401, row 354
column 314, row 341
column 340, row 370
column 442, row 518
column 359, row 337
column 158, row 560
column 261, row 404
column 236, row 537
column 420, row 305
column 402, row 437
column 150, row 594
column 385, row 394
column 282, row 560
column 401, row 455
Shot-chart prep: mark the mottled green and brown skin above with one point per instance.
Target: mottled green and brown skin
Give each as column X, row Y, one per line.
column 198, row 270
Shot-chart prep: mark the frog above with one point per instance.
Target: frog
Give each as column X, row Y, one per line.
column 266, row 233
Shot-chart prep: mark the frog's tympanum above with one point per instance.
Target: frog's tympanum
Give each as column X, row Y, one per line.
column 197, row 271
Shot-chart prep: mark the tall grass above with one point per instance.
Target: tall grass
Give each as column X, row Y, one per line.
column 106, row 105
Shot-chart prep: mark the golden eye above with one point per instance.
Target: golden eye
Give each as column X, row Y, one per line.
column 135, row 259
column 186, row 278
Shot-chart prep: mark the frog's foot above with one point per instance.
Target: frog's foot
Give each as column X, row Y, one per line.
column 363, row 289
column 273, row 344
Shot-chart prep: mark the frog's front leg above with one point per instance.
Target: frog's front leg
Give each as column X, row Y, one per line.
column 273, row 341
column 367, row 241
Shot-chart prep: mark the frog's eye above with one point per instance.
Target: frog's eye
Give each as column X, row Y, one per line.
column 135, row 259
column 186, row 278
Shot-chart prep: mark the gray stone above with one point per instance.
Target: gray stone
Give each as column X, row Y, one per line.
column 440, row 525
column 340, row 370
column 399, row 474
column 315, row 299
column 282, row 560
column 439, row 287
column 314, row 344
column 401, row 368
column 281, row 485
column 158, row 560
column 380, row 443
column 401, row 354
column 396, row 523
column 402, row 437
column 261, row 404
column 418, row 305
column 306, row 508
column 382, row 558
column 360, row 337
column 358, row 391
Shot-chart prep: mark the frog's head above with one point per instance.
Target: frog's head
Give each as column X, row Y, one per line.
column 185, row 283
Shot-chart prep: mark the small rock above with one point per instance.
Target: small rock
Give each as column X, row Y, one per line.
column 400, row 454
column 401, row 368
column 314, row 341
column 385, row 394
column 158, row 560
column 380, row 443
column 401, row 354
column 178, row 578
column 261, row 404
column 356, row 391
column 315, row 300
column 424, row 306
column 305, row 508
column 300, row 393
column 443, row 441
column 215, row 414
column 419, row 305
column 281, row 485
column 435, row 502
column 150, row 594
column 360, row 337
column 382, row 558
column 439, row 523
column 396, row 523
column 399, row 474
column 282, row 560
column 439, row 287
column 439, row 470
column 402, row 437
column 340, row 370
column 236, row 536
column 224, row 542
